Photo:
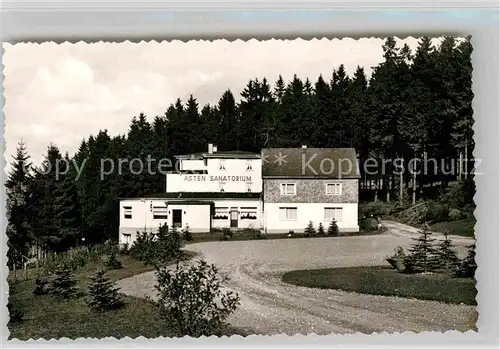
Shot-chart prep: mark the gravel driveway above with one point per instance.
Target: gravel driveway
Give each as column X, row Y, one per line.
column 269, row 306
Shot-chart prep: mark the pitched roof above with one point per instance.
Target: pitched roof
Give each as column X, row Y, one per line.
column 310, row 163
column 230, row 154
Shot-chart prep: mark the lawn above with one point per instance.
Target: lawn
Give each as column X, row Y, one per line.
column 48, row 317
column 386, row 281
column 464, row 227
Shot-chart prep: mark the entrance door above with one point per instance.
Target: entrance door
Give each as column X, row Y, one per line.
column 177, row 218
column 234, row 218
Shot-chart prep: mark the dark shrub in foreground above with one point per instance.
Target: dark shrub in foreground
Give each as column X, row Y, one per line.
column 193, row 300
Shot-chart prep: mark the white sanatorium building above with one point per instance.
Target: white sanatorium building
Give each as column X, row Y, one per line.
column 279, row 190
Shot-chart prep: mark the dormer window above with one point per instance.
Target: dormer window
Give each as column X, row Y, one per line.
column 249, row 165
column 222, row 165
column 221, row 186
column 249, row 187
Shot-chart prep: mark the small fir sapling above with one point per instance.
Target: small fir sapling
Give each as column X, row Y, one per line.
column 103, row 294
column 333, row 229
column 309, row 230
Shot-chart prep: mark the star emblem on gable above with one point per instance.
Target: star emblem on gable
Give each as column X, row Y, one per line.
column 264, row 158
column 280, row 158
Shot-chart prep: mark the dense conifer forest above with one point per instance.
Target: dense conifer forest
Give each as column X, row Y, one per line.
column 414, row 104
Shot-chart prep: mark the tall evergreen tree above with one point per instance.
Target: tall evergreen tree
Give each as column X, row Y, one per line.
column 18, row 185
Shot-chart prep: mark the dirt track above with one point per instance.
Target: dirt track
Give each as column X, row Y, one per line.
column 269, row 306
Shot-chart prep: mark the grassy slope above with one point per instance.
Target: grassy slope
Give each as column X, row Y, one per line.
column 388, row 282
column 48, row 317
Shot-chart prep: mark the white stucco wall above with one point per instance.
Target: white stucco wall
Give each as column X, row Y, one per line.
column 210, row 182
column 197, row 217
column 308, row 212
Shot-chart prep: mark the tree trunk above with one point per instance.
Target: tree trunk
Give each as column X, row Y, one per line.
column 460, row 166
column 466, row 168
column 401, row 186
column 414, row 182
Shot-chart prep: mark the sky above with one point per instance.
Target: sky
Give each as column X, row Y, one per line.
column 63, row 93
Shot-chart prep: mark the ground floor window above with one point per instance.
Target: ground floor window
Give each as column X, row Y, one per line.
column 160, row 212
column 127, row 239
column 288, row 213
column 333, row 213
column 248, row 213
column 221, row 213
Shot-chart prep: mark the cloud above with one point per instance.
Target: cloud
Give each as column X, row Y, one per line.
column 62, row 93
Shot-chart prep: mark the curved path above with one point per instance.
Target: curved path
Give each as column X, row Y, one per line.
column 269, row 306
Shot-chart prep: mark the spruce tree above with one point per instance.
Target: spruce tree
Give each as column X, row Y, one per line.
column 103, row 294
column 67, row 209
column 468, row 266
column 321, row 229
column 309, row 230
column 422, row 256
column 333, row 229
column 447, row 257
column 19, row 213
column 64, row 283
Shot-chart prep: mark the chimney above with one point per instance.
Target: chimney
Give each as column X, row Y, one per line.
column 210, row 148
column 215, row 149
column 304, row 146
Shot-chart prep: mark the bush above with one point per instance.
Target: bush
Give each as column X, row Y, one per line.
column 436, row 212
column 64, row 283
column 309, row 230
column 333, row 229
column 321, row 229
column 16, row 313
column 291, row 233
column 112, row 261
column 257, row 235
column 43, row 286
column 186, row 234
column 460, row 194
column 103, row 294
column 227, row 234
column 369, row 224
column 456, row 215
column 376, row 209
column 193, row 299
column 157, row 248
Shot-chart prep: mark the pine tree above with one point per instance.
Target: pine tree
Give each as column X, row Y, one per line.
column 67, row 209
column 64, row 283
column 19, row 212
column 103, row 294
column 422, row 255
column 333, row 229
column 321, row 229
column 468, row 266
column 309, row 230
column 447, row 257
